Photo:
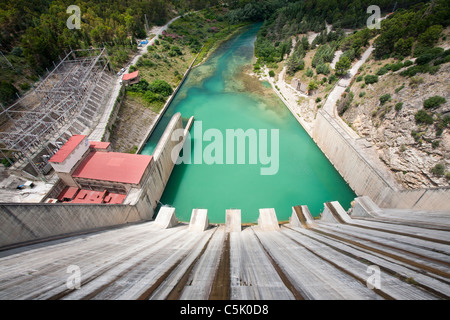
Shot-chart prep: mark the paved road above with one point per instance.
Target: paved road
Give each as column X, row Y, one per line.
column 341, row 86
column 99, row 131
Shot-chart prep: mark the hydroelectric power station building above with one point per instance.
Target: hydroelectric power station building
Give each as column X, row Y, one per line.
column 90, row 166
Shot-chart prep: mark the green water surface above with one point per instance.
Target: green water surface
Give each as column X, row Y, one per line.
column 222, row 96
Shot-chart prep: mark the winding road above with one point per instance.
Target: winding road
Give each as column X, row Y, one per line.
column 99, row 131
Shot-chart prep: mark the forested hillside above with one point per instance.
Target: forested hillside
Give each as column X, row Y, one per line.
column 299, row 17
column 34, row 34
column 399, row 98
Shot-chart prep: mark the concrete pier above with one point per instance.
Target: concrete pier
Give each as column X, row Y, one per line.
column 233, row 220
column 333, row 212
column 199, row 220
column 301, row 217
column 166, row 218
column 267, row 220
column 365, row 207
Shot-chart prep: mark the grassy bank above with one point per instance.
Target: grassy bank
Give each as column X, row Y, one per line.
column 193, row 36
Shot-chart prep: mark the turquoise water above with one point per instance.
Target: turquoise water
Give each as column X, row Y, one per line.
column 222, row 96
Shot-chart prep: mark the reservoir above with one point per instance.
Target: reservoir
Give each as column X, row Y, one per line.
column 222, row 95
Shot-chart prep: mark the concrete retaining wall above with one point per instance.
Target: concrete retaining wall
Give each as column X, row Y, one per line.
column 163, row 164
column 364, row 178
column 113, row 116
column 30, row 222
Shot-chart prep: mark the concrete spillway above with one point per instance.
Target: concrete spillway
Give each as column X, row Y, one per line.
column 329, row 258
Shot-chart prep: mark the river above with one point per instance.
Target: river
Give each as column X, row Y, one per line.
column 221, row 95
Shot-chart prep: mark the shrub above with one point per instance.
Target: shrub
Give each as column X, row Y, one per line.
column 438, row 170
column 24, row 86
column 408, row 63
column 385, row 98
column 161, row 87
column 441, row 125
column 433, row 69
column 272, row 73
column 412, row 71
column 362, row 94
column 424, row 58
column 312, row 85
column 369, row 79
column 399, row 106
column 323, row 68
column 383, row 71
column 396, row 66
column 145, row 63
column 423, row 117
column 399, row 88
column 176, row 50
column 17, row 51
column 433, row 102
column 359, row 79
column 332, row 78
column 417, row 135
column 150, row 97
column 415, row 81
column 309, row 73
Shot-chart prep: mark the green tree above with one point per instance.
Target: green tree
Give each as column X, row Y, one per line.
column 342, row 66
column 430, row 36
column 312, row 85
column 7, row 92
column 403, row 47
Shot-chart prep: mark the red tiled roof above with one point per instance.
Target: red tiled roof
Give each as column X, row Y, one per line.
column 75, row 195
column 67, row 148
column 114, row 198
column 113, row 166
column 130, row 76
column 68, row 193
column 89, row 196
column 99, row 145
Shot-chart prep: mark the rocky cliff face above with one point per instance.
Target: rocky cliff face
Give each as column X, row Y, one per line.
column 409, row 149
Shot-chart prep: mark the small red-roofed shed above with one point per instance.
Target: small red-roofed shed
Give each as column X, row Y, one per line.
column 131, row 78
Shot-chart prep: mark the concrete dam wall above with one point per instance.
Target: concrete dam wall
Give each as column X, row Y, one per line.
column 372, row 255
column 28, row 222
column 364, row 178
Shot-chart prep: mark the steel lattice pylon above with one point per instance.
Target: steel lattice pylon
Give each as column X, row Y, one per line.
column 66, row 102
